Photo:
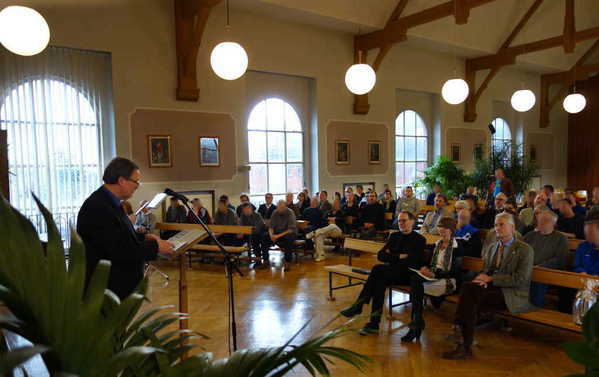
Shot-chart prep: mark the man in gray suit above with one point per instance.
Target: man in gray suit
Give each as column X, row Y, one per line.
column 503, row 284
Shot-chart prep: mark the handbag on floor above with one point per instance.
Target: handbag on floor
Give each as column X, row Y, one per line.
column 585, row 298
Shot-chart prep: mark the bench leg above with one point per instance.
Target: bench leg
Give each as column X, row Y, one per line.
column 331, row 298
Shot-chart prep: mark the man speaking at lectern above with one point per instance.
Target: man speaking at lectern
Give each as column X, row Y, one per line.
column 108, row 233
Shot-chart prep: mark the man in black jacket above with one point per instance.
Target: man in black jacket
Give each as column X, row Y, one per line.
column 372, row 217
column 404, row 249
column 265, row 210
column 108, row 233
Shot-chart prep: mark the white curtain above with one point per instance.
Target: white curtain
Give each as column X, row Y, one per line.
column 57, row 109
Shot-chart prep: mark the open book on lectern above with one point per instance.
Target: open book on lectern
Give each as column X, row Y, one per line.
column 185, row 237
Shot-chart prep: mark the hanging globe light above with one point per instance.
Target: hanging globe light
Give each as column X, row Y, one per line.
column 523, row 100
column 229, row 60
column 575, row 103
column 455, row 91
column 360, row 78
column 23, row 30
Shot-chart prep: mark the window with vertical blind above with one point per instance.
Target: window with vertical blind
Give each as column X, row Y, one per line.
column 411, row 148
column 275, row 148
column 57, row 111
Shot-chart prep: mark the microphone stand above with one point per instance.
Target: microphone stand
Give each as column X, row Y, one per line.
column 230, row 268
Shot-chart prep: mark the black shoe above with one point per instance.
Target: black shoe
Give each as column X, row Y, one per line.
column 352, row 311
column 411, row 335
column 460, row 353
column 369, row 328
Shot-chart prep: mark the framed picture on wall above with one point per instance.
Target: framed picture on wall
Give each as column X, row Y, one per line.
column 532, row 153
column 342, row 152
column 456, row 152
column 374, row 151
column 160, row 151
column 477, row 153
column 209, row 151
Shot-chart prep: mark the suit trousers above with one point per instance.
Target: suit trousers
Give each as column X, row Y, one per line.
column 475, row 298
column 287, row 244
column 381, row 276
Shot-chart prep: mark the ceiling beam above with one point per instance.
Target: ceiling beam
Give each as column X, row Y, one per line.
column 472, row 100
column 190, row 21
column 395, row 31
column 508, row 55
column 569, row 28
column 579, row 71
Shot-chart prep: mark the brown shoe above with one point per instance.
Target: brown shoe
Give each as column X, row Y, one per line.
column 460, row 353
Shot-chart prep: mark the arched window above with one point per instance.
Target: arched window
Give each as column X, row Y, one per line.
column 503, row 135
column 275, row 146
column 53, row 149
column 411, row 148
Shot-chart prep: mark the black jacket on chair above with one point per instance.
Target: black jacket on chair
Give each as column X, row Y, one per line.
column 108, row 234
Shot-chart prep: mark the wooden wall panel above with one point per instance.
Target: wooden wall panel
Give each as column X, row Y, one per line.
column 583, row 139
column 4, row 164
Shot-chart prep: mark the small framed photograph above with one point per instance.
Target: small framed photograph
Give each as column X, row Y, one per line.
column 374, row 151
column 209, row 151
column 160, row 151
column 342, row 152
column 456, row 152
column 477, row 153
column 532, row 153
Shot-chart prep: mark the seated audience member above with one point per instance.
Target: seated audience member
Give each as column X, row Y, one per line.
column 226, row 216
column 229, row 205
column 548, row 190
column 571, row 224
column 445, row 266
column 527, row 214
column 477, row 213
column 535, row 221
column 339, row 215
column 259, row 240
column 504, row 283
column 576, row 207
column 314, row 216
column 329, row 231
column 458, row 206
column 385, row 189
column 266, row 209
column 470, row 194
column 197, row 209
column 594, row 202
column 403, row 250
column 408, row 202
column 145, row 221
column 359, row 194
column 500, row 200
column 176, row 213
column 325, row 205
column 430, row 199
column 550, row 251
column 432, row 218
column 337, row 196
column 243, row 198
column 128, row 209
column 472, row 244
column 282, row 231
column 291, row 205
column 510, row 207
column 301, row 204
column 501, row 184
column 388, row 202
column 529, row 202
column 372, row 217
column 350, row 209
column 346, row 193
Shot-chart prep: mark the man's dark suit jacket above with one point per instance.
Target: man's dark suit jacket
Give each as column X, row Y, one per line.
column 266, row 213
column 108, row 234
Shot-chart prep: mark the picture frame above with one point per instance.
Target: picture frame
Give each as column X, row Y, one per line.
column 342, row 152
column 532, row 153
column 209, row 151
column 456, row 152
column 375, row 152
column 160, row 151
column 477, row 152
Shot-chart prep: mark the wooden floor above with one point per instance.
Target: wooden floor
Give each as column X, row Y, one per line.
column 272, row 306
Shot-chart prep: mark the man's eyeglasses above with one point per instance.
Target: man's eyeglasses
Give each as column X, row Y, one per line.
column 138, row 183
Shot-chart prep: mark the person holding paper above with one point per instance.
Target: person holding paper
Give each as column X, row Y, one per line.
column 403, row 250
column 438, row 279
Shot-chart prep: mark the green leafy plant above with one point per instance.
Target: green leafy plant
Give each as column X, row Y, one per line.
column 446, row 173
column 587, row 351
column 93, row 333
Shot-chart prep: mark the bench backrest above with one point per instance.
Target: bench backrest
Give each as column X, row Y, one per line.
column 362, row 245
column 223, row 229
column 388, row 215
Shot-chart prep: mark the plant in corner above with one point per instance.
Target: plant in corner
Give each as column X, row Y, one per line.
column 587, row 351
column 94, row 334
column 446, row 173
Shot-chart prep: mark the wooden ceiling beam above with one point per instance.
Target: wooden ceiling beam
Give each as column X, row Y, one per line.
column 569, row 28
column 190, row 22
column 395, row 31
column 472, row 100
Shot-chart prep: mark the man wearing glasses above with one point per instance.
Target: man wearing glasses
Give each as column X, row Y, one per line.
column 108, row 233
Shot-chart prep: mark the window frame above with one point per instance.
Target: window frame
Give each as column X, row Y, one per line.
column 427, row 138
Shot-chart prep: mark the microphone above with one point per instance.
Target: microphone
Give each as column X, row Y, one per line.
column 176, row 195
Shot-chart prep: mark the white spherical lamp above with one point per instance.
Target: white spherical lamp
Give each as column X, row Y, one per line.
column 229, row 60
column 523, row 100
column 455, row 91
column 575, row 103
column 360, row 78
column 23, row 30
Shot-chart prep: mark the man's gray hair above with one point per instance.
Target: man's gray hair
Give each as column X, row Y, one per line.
column 549, row 212
column 507, row 216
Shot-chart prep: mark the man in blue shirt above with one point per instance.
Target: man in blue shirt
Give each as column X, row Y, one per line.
column 472, row 244
column 587, row 255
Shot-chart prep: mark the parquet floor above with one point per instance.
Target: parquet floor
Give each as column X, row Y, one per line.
column 272, row 306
